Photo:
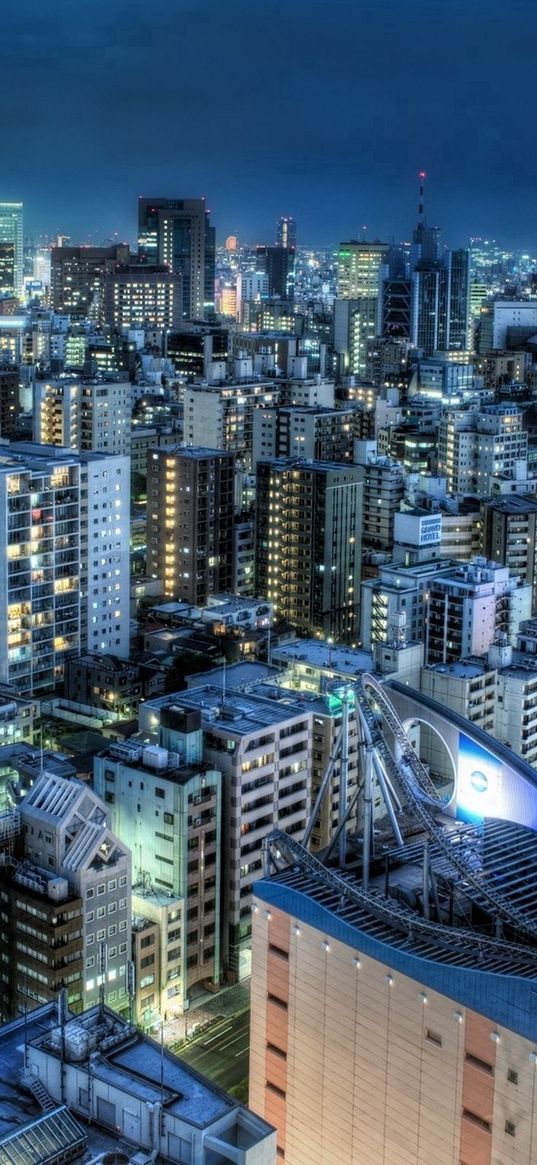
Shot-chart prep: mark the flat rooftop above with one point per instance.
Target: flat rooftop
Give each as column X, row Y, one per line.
column 122, row 1057
column 235, row 713
column 320, row 654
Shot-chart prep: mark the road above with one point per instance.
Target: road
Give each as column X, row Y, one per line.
column 221, row 1053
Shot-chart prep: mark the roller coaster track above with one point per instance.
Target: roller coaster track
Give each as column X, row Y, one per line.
column 410, row 775
column 476, row 947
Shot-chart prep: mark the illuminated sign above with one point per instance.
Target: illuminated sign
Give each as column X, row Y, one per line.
column 479, row 784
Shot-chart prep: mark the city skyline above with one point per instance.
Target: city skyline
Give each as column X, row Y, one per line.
column 288, row 114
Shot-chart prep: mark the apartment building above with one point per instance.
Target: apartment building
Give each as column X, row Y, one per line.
column 263, row 749
column 220, row 416
column 88, row 414
column 65, row 574
column 190, row 521
column 166, row 805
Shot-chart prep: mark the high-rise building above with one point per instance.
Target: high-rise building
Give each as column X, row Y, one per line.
column 263, row 749
column 77, row 278
column 178, row 233
column 176, row 847
column 475, row 447
column 384, row 487
column 190, row 521
column 356, row 324
column 466, row 608
column 315, row 433
column 88, row 414
column 220, row 416
column 361, row 269
column 65, row 574
column 11, row 249
column 286, row 232
column 141, row 295
column 508, row 535
column 279, row 264
column 308, row 543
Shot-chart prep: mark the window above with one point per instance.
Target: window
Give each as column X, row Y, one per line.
column 112, row 907
column 433, row 1037
column 160, row 792
column 112, row 930
column 123, row 880
column 274, row 950
column 89, row 893
column 112, row 884
column 101, row 912
column 123, row 925
column 510, row 1128
column 279, row 1002
column 112, row 952
column 101, row 888
column 100, row 935
column 122, row 903
column 512, row 1076
column 90, row 916
column 477, row 1063
column 122, row 948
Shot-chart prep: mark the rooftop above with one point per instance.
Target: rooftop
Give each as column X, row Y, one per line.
column 236, row 714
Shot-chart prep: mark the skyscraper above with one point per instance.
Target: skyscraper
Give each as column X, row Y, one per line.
column 286, row 232
column 11, row 248
column 178, row 233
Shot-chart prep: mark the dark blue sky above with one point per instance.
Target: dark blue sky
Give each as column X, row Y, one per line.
column 317, row 109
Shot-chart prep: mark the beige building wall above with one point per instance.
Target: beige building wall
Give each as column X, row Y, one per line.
column 355, row 1063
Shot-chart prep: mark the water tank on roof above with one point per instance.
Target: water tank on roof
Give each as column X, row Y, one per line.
column 58, row 889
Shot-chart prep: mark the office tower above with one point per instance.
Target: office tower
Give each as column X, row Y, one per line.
column 93, row 415
column 220, row 416
column 320, row 434
column 396, row 307
column 140, row 295
column 198, row 353
column 9, row 400
column 68, row 899
column 361, row 268
column 177, row 232
column 459, row 302
column 77, row 278
column 508, row 535
column 308, row 543
column 11, row 249
column 468, row 606
column 356, row 324
column 286, row 232
column 279, row 265
column 263, row 749
column 166, row 806
column 65, row 575
column 190, row 521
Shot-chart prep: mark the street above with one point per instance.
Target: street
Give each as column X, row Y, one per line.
column 221, row 1053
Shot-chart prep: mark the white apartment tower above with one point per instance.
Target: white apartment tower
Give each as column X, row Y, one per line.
column 64, row 518
column 93, row 414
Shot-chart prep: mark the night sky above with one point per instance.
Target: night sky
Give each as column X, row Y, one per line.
column 325, row 111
